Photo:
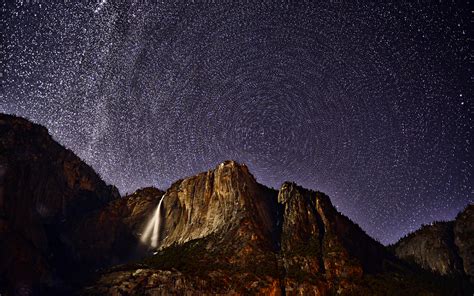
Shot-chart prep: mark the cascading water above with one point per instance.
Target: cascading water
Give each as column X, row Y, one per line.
column 151, row 234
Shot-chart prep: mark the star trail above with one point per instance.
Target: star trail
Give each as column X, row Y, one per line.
column 371, row 104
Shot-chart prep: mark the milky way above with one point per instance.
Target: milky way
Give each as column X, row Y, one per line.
column 370, row 104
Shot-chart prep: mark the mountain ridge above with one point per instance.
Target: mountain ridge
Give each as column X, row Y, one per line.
column 221, row 232
column 443, row 246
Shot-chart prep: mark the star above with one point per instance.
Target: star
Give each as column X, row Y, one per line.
column 361, row 101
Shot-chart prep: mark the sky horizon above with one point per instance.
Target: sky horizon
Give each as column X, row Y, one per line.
column 368, row 103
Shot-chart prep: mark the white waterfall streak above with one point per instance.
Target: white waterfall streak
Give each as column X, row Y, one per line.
column 151, row 234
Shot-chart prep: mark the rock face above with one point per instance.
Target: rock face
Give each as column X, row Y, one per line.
column 44, row 190
column 446, row 248
column 464, row 240
column 111, row 234
column 223, row 233
column 227, row 199
column 432, row 247
column 316, row 239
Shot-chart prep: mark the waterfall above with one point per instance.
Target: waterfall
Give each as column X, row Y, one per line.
column 151, row 234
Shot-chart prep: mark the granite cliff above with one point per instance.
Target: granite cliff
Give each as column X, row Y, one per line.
column 64, row 231
column 446, row 248
column 224, row 233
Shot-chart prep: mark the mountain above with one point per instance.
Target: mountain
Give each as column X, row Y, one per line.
column 110, row 234
column 45, row 190
column 64, row 231
column 224, row 233
column 446, row 248
column 222, row 226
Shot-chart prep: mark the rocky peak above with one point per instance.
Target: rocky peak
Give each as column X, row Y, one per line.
column 234, row 223
column 227, row 197
column 431, row 247
column 45, row 190
column 317, row 238
column 221, row 232
column 446, row 248
column 301, row 223
column 60, row 184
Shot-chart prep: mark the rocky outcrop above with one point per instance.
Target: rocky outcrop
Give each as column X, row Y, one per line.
column 464, row 240
column 316, row 239
column 446, row 248
column 216, row 202
column 111, row 235
column 218, row 236
column 223, row 233
column 44, row 190
column 432, row 247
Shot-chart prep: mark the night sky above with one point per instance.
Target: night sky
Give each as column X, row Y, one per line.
column 370, row 104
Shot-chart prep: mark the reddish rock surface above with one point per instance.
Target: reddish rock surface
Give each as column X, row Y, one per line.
column 221, row 232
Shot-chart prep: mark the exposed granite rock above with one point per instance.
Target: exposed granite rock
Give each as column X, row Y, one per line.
column 446, row 248
column 223, row 233
column 316, row 239
column 218, row 201
column 111, row 235
column 44, row 190
column 464, row 240
column 432, row 247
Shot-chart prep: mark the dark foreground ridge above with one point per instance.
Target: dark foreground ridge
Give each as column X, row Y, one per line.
column 64, row 231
